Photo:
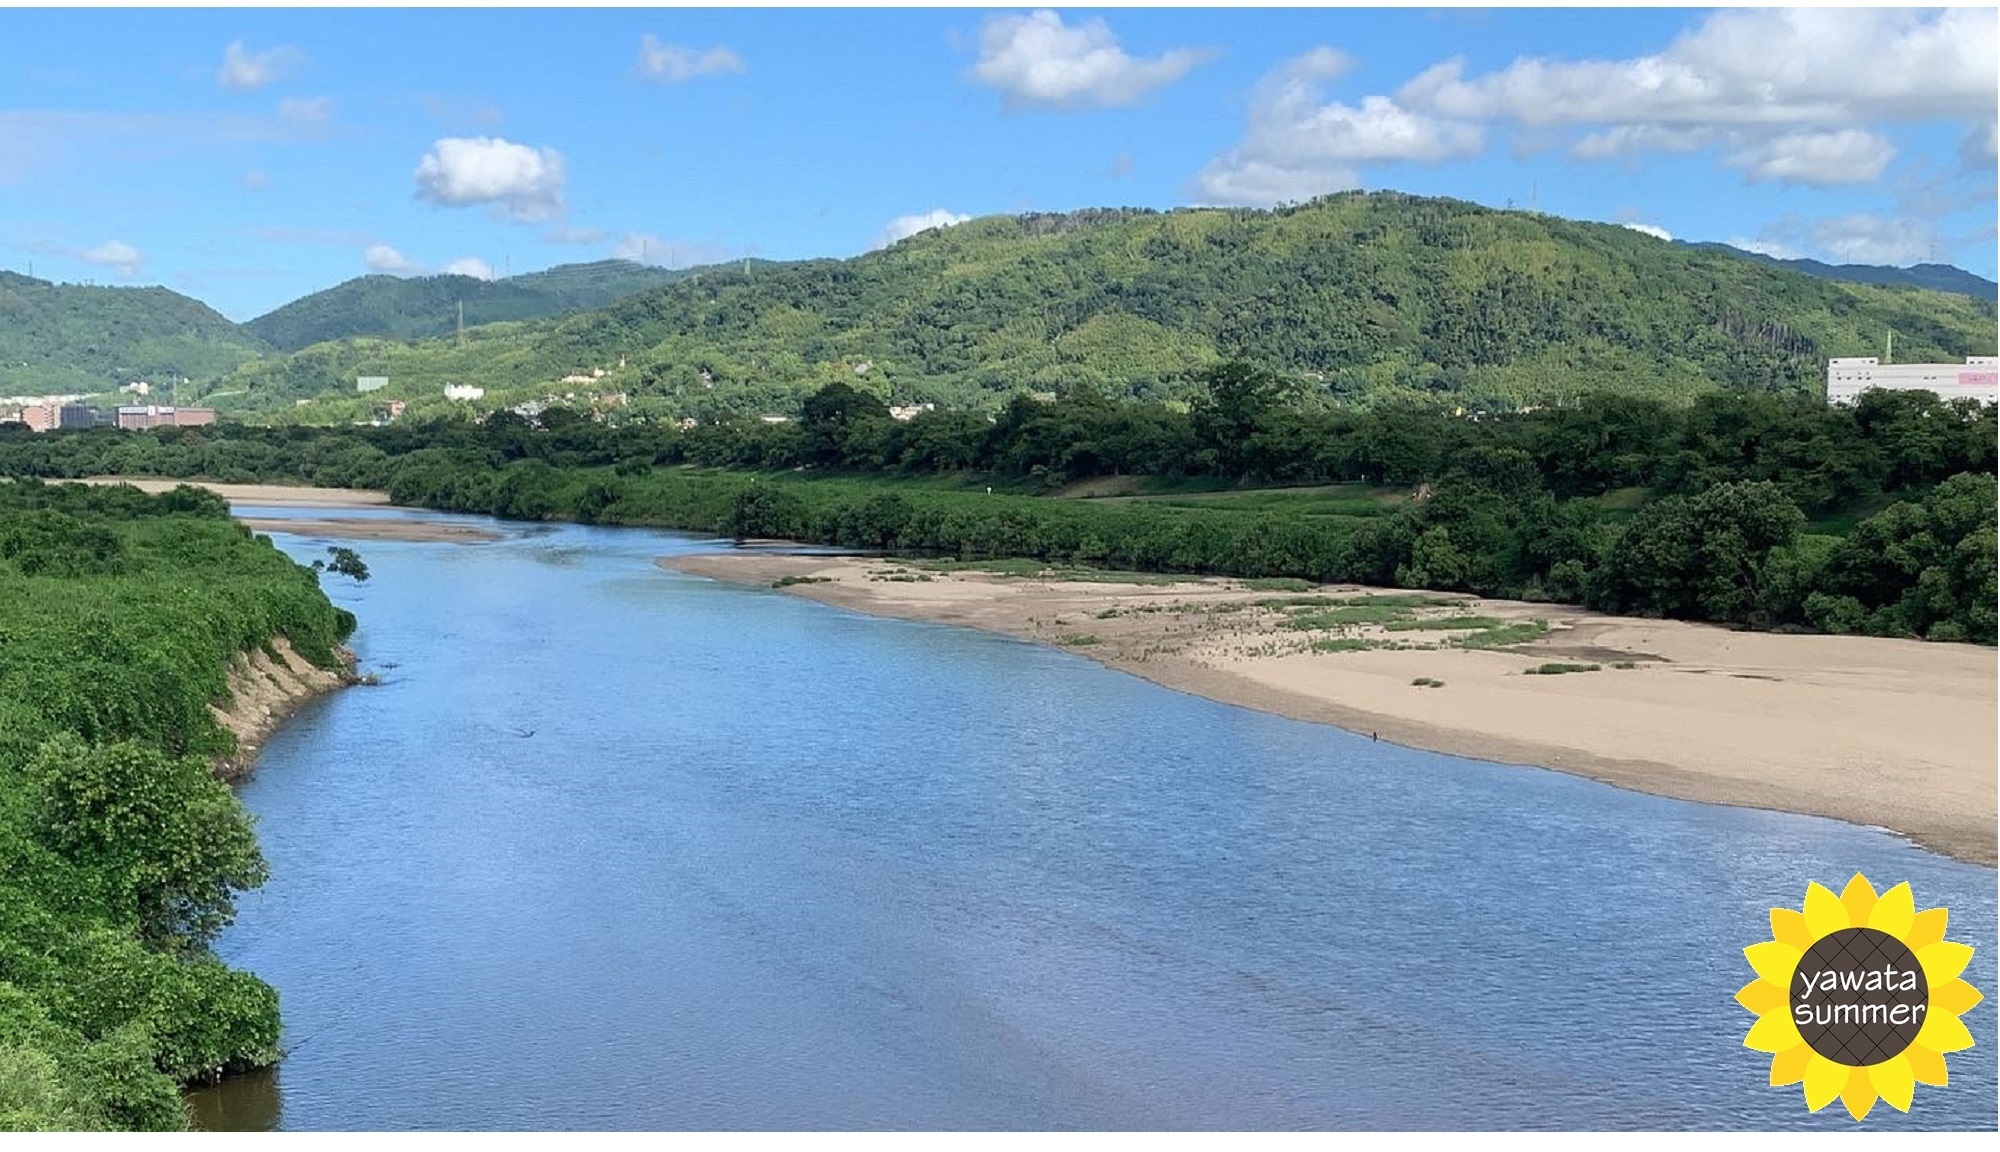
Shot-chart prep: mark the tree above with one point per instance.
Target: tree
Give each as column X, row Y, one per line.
column 1239, row 395
column 1698, row 557
column 826, row 416
column 170, row 839
column 346, row 562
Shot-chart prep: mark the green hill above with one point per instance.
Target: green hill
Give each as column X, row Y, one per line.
column 394, row 308
column 1358, row 297
column 58, row 338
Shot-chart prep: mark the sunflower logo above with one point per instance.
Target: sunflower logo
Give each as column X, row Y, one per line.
column 1858, row 996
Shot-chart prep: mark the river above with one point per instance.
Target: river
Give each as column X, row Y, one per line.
column 615, row 848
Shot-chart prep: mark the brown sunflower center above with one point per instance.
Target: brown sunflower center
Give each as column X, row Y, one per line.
column 1859, row 996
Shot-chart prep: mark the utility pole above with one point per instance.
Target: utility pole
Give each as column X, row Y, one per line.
column 1889, row 356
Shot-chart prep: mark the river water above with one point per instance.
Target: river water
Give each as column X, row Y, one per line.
column 614, row 848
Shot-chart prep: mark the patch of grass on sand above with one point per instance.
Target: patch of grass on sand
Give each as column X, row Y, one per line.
column 1343, row 644
column 1444, row 624
column 1560, row 669
column 1025, row 569
column 788, row 581
column 1079, row 639
column 1343, row 618
column 1426, row 682
column 1505, row 635
column 1278, row 584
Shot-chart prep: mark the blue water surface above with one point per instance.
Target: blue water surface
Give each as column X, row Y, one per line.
column 615, row 848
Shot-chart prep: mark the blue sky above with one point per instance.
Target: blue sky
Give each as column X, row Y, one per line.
column 249, row 157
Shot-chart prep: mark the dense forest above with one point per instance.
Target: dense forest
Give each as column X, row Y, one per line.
column 120, row 851
column 427, row 307
column 74, row 338
column 1754, row 509
column 1362, row 298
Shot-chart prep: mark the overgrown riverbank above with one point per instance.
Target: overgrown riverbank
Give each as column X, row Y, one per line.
column 130, row 626
column 1761, row 511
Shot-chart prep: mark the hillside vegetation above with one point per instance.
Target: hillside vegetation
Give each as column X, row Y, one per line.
column 423, row 307
column 1364, row 298
column 59, row 338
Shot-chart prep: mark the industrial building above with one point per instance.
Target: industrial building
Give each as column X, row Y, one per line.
column 1978, row 378
column 137, row 416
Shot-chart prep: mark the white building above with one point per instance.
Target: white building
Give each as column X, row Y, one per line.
column 463, row 392
column 1848, row 377
column 370, row 383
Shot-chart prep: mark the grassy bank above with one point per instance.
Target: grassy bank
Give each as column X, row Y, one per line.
column 120, row 852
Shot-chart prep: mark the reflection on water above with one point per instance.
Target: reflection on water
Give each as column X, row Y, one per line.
column 619, row 849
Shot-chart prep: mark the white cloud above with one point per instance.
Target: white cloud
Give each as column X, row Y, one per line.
column 306, row 113
column 1653, row 230
column 1862, row 238
column 471, row 266
column 256, row 179
column 247, row 71
column 1037, row 61
column 673, row 64
column 382, row 258
column 1830, row 66
column 1296, row 147
column 1629, row 139
column 116, row 255
column 904, row 227
column 1772, row 248
column 1846, row 156
column 515, row 181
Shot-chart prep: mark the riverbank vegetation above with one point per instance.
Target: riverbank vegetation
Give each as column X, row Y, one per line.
column 120, row 851
column 1742, row 508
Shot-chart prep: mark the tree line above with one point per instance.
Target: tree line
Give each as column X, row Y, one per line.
column 1750, row 509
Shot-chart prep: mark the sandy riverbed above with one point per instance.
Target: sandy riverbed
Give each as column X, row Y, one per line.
column 356, row 528
column 1890, row 733
column 298, row 496
column 267, row 495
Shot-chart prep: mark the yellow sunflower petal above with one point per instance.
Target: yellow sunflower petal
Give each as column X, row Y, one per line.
column 1859, row 1095
column 1942, row 961
column 1859, row 897
column 1774, row 1032
column 1927, row 1066
column 1775, row 961
column 1893, row 912
column 1957, row 997
column 1761, row 996
column 1789, row 926
column 1789, row 1066
column 1926, row 928
column 1825, row 913
column 1894, row 1081
column 1942, row 1032
column 1824, row 1081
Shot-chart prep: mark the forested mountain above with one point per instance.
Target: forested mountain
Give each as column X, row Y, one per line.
column 1356, row 297
column 1937, row 277
column 57, row 338
column 395, row 308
